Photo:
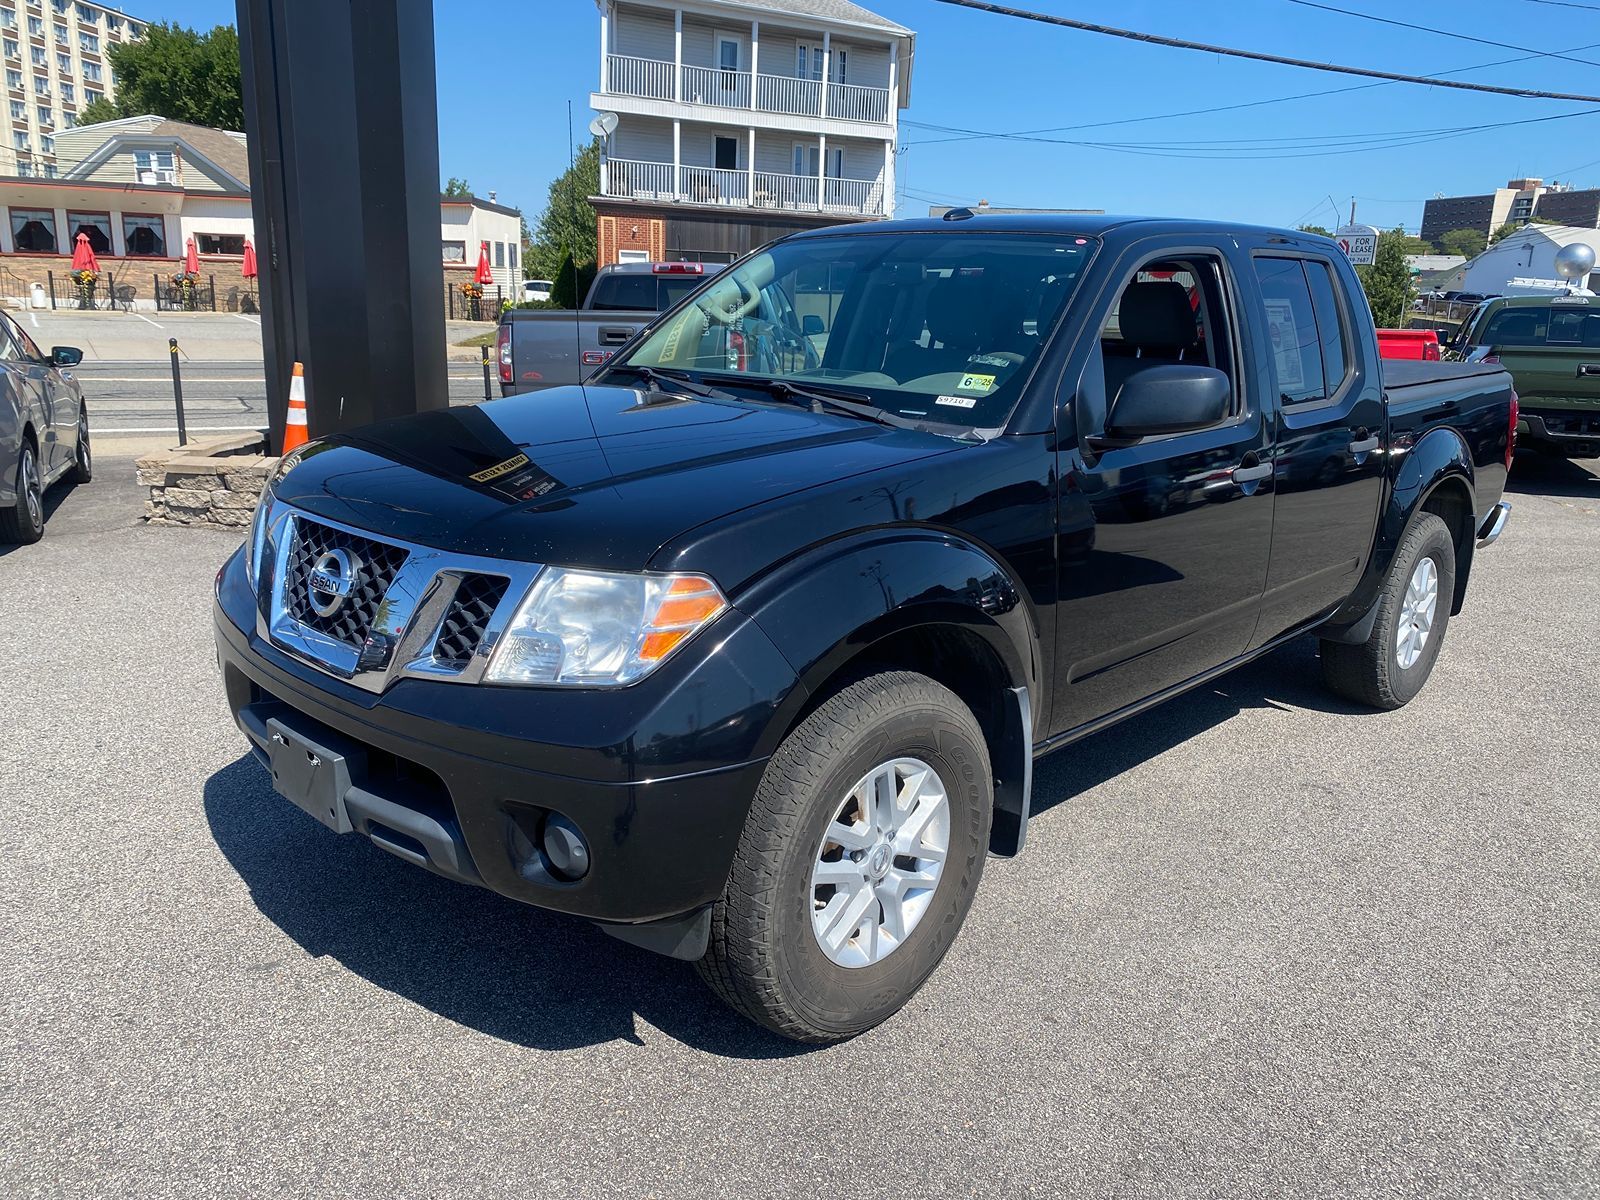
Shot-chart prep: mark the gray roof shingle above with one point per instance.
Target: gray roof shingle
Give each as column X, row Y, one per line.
column 833, row 10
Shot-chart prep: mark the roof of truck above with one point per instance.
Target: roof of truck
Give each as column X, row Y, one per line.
column 1082, row 224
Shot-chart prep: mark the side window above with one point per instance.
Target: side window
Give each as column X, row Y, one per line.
column 26, row 348
column 1291, row 329
column 1338, row 363
column 1171, row 311
column 8, row 345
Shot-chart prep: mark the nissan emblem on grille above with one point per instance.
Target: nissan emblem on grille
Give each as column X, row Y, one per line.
column 332, row 578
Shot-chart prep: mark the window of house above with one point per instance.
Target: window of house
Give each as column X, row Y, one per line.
column 85, row 13
column 89, row 42
column 48, row 144
column 19, row 110
column 455, row 252
column 44, row 114
column 725, row 153
column 8, row 18
column 113, row 23
column 808, row 60
column 144, row 235
column 135, row 29
column 91, row 72
column 805, row 160
column 40, row 58
column 95, row 225
column 68, row 92
column 36, row 26
column 33, row 230
column 41, row 85
column 63, row 62
column 219, row 243
column 90, row 95
column 24, row 168
column 49, row 170
column 19, row 139
column 61, row 36
column 14, row 80
column 499, row 254
column 153, row 160
column 727, row 52
column 11, row 48
column 68, row 121
column 1292, row 328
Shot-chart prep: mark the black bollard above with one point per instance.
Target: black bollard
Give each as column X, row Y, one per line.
column 177, row 391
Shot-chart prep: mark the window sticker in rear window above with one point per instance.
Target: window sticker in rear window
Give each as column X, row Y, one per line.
column 1285, row 343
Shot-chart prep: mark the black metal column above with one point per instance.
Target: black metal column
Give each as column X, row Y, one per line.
column 340, row 107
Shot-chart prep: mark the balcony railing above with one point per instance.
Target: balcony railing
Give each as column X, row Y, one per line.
column 638, row 180
column 647, row 77
column 709, row 85
column 652, row 79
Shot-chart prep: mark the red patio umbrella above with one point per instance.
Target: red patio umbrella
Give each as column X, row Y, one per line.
column 248, row 270
column 83, row 258
column 484, row 275
column 191, row 259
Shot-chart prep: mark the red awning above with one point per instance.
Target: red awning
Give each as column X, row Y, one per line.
column 191, row 259
column 484, row 275
column 248, row 270
column 83, row 258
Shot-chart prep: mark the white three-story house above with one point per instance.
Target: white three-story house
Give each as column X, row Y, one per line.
column 738, row 121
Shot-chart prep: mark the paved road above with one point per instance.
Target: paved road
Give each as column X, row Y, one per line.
column 130, row 397
column 1260, row 944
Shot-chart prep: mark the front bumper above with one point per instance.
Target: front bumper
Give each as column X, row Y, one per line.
column 657, row 777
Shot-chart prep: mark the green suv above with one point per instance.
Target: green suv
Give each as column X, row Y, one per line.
column 1551, row 346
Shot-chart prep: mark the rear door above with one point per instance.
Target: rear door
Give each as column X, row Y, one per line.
column 1163, row 545
column 1328, row 457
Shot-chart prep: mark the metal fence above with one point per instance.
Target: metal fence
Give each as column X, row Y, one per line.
column 462, row 306
column 193, row 297
column 109, row 291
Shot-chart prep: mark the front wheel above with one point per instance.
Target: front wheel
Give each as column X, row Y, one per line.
column 24, row 522
column 858, row 862
column 1390, row 667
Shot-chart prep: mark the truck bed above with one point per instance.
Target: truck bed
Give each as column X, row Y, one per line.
column 1416, row 373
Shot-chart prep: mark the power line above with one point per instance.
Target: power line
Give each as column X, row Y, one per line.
column 1259, row 56
column 1460, row 37
column 1567, row 4
column 970, row 135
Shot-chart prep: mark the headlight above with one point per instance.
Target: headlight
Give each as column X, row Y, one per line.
column 257, row 545
column 596, row 629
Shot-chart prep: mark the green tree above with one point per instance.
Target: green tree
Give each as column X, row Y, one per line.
column 177, row 73
column 1317, row 229
column 565, row 292
column 567, row 224
column 1387, row 281
column 457, row 187
column 1502, row 233
column 1466, row 242
column 1414, row 245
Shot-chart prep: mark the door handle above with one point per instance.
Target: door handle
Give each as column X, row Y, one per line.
column 614, row 335
column 1366, row 446
column 1244, row 475
column 1589, row 368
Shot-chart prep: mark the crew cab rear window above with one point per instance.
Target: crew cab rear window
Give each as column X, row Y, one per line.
column 641, row 293
column 1309, row 350
column 1523, row 327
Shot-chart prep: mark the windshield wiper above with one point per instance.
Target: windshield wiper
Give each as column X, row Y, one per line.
column 666, row 381
column 817, row 398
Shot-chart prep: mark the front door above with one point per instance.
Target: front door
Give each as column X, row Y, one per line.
column 1164, row 544
column 1328, row 461
column 58, row 401
column 725, row 153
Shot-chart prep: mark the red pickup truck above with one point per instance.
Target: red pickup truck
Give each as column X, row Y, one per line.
column 1409, row 343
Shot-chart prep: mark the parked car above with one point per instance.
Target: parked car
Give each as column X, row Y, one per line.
column 1551, row 346
column 44, row 429
column 746, row 652
column 537, row 291
column 541, row 348
column 1409, row 343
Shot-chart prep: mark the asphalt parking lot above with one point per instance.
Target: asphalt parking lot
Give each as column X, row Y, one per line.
column 1261, row 943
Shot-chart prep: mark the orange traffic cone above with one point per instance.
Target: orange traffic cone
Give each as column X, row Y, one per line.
column 294, row 428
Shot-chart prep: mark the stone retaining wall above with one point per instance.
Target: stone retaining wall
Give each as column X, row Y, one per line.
column 208, row 483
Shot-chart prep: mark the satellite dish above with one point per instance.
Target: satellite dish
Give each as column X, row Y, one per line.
column 604, row 125
column 1574, row 261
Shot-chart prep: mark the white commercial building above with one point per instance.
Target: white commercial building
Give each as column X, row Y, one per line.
column 1524, row 262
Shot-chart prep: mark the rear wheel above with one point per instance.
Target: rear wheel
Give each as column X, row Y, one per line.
column 1390, row 667
column 858, row 863
column 24, row 521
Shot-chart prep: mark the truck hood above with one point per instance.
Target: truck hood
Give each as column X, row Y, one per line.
column 583, row 476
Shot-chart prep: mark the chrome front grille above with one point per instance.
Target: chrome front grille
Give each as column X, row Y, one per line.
column 467, row 619
column 372, row 610
column 374, row 566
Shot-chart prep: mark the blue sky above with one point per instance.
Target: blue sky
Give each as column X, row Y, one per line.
column 976, row 71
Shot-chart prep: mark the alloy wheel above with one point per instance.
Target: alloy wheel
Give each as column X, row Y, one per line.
column 1417, row 613
column 32, row 492
column 879, row 862
column 84, row 460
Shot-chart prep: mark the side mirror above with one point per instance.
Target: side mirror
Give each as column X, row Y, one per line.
column 811, row 325
column 1177, row 398
column 65, row 356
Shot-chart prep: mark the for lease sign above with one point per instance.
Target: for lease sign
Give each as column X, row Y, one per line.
column 1359, row 242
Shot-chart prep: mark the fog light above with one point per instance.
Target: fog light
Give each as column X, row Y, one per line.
column 566, row 854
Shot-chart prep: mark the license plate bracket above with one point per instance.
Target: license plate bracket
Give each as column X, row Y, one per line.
column 314, row 770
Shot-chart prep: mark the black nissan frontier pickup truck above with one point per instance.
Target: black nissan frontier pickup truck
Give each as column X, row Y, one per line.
column 745, row 649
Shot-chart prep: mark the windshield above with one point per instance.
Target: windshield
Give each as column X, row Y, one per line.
column 941, row 327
